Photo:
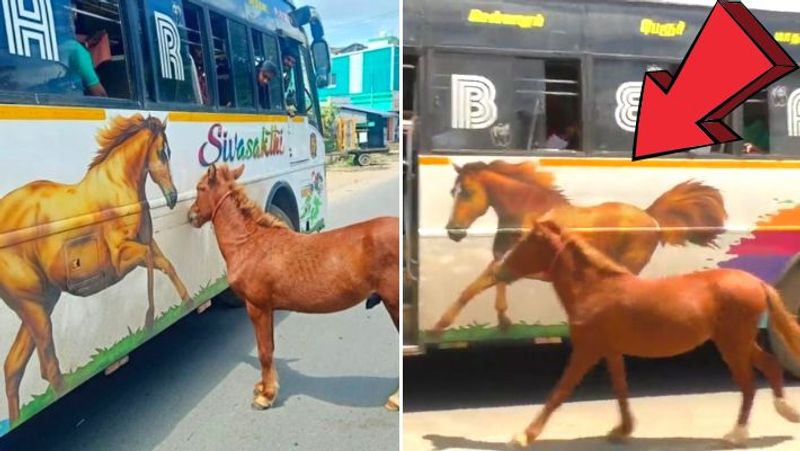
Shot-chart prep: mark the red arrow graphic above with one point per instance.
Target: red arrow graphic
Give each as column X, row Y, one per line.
column 732, row 58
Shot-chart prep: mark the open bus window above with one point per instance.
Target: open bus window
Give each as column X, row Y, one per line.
column 242, row 65
column 265, row 50
column 290, row 70
column 490, row 101
column 222, row 62
column 81, row 53
column 755, row 119
column 195, row 42
column 410, row 63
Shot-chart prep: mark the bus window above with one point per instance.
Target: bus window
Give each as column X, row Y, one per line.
column 265, row 50
column 409, row 86
column 310, row 107
column 504, row 102
column 195, row 40
column 780, row 112
column 83, row 53
column 290, row 69
column 219, row 34
column 755, row 118
column 243, row 71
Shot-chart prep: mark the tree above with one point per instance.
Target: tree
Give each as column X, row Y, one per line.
column 330, row 113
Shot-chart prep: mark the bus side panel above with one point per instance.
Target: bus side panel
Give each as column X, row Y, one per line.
column 104, row 318
column 762, row 229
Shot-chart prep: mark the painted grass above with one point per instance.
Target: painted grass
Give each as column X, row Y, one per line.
column 4, row 427
column 485, row 332
column 103, row 357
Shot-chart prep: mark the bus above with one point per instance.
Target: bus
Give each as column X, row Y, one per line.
column 513, row 109
column 111, row 111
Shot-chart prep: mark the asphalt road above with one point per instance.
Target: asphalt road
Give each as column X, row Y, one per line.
column 478, row 399
column 190, row 387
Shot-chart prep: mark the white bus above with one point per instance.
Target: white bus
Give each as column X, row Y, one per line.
column 110, row 111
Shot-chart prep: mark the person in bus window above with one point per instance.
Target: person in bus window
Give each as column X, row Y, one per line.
column 266, row 73
column 79, row 61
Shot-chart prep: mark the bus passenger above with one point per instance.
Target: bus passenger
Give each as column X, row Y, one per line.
column 80, row 63
column 266, row 73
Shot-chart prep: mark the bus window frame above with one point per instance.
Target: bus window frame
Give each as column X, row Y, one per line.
column 235, row 73
column 308, row 64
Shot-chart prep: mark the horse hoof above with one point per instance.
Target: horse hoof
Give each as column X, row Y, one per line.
column 258, row 389
column 504, row 323
column 619, row 434
column 520, row 441
column 393, row 403
column 737, row 437
column 786, row 410
column 261, row 402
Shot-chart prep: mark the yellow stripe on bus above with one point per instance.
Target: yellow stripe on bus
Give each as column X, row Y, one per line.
column 46, row 113
column 652, row 163
column 184, row 116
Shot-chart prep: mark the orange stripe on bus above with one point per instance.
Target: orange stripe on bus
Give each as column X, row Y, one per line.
column 46, row 113
column 185, row 116
column 429, row 160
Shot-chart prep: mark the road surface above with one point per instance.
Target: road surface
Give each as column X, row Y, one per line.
column 471, row 400
column 190, row 388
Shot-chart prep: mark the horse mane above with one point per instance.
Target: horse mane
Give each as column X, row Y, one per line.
column 120, row 130
column 524, row 172
column 253, row 211
column 592, row 255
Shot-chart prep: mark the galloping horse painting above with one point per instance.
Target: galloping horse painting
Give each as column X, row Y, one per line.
column 521, row 194
column 81, row 239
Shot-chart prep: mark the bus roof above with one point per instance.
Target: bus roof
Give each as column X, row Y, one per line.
column 271, row 15
column 792, row 6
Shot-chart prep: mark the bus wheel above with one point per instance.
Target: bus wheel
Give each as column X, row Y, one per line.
column 789, row 288
column 282, row 215
column 363, row 159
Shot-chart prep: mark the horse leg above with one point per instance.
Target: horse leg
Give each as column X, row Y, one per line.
column 737, row 355
column 484, row 281
column 151, row 298
column 131, row 254
column 580, row 362
column 16, row 361
column 36, row 319
column 501, row 306
column 616, row 369
column 164, row 265
column 771, row 369
column 389, row 291
column 266, row 390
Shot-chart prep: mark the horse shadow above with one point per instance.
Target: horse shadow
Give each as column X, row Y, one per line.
column 600, row 443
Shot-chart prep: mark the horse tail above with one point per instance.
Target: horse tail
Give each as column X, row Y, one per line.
column 691, row 212
column 782, row 321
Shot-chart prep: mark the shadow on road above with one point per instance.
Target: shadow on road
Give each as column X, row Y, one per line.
column 440, row 442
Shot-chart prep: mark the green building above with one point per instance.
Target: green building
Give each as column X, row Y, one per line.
column 366, row 76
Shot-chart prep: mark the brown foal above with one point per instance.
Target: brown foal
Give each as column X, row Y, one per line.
column 613, row 313
column 274, row 268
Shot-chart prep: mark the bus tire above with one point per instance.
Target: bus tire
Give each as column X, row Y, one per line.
column 789, row 287
column 278, row 212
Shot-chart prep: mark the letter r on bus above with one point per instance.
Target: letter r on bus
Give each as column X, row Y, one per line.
column 473, row 102
column 169, row 47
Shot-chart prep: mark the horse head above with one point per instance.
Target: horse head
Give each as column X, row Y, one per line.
column 158, row 158
column 470, row 201
column 213, row 188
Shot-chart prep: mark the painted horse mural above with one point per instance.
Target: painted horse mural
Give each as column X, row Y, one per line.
column 81, row 239
column 520, row 194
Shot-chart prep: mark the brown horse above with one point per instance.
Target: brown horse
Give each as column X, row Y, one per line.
column 81, row 239
column 274, row 268
column 688, row 213
column 613, row 313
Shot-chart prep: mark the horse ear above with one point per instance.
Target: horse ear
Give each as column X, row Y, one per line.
column 237, row 172
column 457, row 168
column 212, row 173
column 164, row 125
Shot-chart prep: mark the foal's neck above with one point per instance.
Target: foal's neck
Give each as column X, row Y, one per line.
column 233, row 229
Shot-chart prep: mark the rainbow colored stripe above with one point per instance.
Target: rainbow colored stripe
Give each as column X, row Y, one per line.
column 767, row 252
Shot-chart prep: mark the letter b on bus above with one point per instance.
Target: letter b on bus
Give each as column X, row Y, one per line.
column 473, row 102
